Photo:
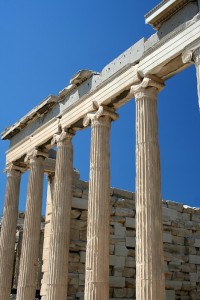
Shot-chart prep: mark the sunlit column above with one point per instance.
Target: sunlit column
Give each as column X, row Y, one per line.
column 57, row 278
column 47, row 231
column 150, row 282
column 27, row 281
column 8, row 230
column 194, row 56
column 98, row 233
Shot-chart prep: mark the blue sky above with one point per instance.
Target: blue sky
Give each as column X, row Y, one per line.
column 43, row 43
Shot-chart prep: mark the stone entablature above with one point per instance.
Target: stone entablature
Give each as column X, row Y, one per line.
column 181, row 240
column 163, row 11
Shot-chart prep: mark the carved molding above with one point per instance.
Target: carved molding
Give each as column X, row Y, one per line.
column 35, row 153
column 149, row 87
column 12, row 167
column 64, row 135
column 192, row 54
column 101, row 112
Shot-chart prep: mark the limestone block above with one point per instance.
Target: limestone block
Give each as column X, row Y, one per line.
column 119, row 230
column 188, row 286
column 130, row 283
column 117, row 281
column 126, row 203
column 73, row 279
column 130, row 262
column 124, row 212
column 197, row 243
column 77, row 192
column 77, row 245
column 175, row 205
column 173, row 284
column 123, row 292
column 79, row 203
column 81, row 279
column 170, row 295
column 118, row 219
column 130, row 242
column 117, row 261
column 188, row 267
column 130, row 222
column 167, row 237
column 194, row 259
column 76, row 267
column 181, row 232
column 82, row 256
column 78, row 224
column 194, row 277
column 121, row 250
column 196, row 217
column 74, row 234
column 128, row 272
column 74, row 257
column 123, row 194
column 83, row 235
column 130, row 233
column 84, row 215
column 117, row 241
column 75, row 213
column 179, row 240
column 169, row 213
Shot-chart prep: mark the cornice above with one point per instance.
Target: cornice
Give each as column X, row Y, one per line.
column 163, row 11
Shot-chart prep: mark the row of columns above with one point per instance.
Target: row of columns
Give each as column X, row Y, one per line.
column 149, row 248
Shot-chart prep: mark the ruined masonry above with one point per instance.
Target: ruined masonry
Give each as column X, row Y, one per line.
column 94, row 256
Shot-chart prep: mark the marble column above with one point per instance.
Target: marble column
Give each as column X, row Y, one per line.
column 27, row 280
column 98, row 228
column 150, row 281
column 47, row 231
column 8, row 230
column 57, row 279
column 193, row 56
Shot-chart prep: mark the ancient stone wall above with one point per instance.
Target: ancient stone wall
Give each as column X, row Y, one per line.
column 181, row 237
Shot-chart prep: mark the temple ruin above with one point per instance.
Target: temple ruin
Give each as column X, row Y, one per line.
column 106, row 255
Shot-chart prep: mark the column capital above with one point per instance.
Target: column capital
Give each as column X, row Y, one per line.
column 13, row 168
column 149, row 86
column 101, row 112
column 65, row 135
column 191, row 56
column 35, row 153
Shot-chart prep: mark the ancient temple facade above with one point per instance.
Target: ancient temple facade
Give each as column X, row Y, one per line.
column 91, row 99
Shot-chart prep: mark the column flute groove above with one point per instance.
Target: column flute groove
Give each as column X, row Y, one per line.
column 150, row 281
column 8, row 230
column 98, row 228
column 60, row 220
column 27, row 281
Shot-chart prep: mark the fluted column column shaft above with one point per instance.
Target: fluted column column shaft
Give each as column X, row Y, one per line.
column 27, row 281
column 8, row 231
column 98, row 227
column 60, row 221
column 150, row 281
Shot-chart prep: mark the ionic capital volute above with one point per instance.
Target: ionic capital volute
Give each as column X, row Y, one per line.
column 101, row 112
column 35, row 153
column 14, row 167
column 65, row 135
column 191, row 56
column 149, row 86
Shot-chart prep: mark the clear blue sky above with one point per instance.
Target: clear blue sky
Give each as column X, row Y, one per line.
column 43, row 43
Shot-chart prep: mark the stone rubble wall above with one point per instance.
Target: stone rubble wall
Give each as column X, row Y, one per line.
column 181, row 237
